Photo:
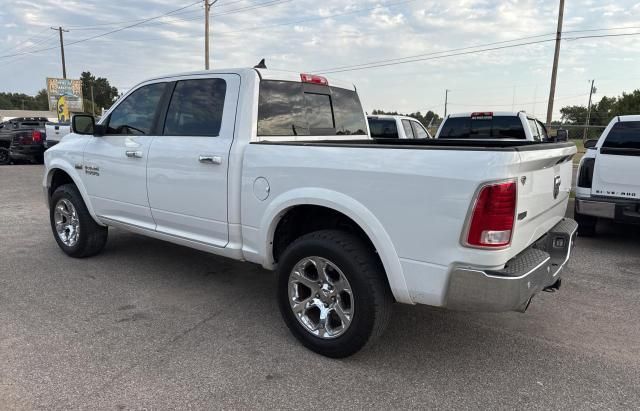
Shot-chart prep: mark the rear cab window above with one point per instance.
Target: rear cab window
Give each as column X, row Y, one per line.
column 289, row 108
column 383, row 128
column 483, row 126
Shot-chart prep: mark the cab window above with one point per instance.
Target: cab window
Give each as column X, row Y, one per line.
column 196, row 108
column 406, row 124
column 419, row 131
column 137, row 112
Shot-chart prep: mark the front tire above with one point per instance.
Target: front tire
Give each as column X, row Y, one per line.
column 5, row 156
column 333, row 293
column 75, row 231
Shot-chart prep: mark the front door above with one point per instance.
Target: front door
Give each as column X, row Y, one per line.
column 188, row 163
column 115, row 164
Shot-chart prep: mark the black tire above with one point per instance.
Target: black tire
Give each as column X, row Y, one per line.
column 372, row 298
column 91, row 236
column 5, row 157
column 586, row 223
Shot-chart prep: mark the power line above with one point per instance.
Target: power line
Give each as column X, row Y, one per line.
column 109, row 32
column 433, row 53
column 381, row 64
column 268, row 3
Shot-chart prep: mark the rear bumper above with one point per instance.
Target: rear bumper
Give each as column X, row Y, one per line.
column 627, row 211
column 26, row 152
column 511, row 289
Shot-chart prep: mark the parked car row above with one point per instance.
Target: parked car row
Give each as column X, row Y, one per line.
column 27, row 138
column 278, row 169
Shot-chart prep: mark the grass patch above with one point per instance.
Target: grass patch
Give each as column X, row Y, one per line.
column 581, row 150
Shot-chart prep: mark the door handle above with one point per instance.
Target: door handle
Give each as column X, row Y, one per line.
column 210, row 159
column 134, row 154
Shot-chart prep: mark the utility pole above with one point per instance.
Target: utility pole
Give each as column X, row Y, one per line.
column 446, row 97
column 554, row 72
column 586, row 124
column 64, row 68
column 207, row 8
column 93, row 103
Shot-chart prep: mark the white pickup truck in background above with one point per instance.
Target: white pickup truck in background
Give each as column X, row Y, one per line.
column 608, row 183
column 55, row 132
column 277, row 169
column 489, row 125
column 392, row 126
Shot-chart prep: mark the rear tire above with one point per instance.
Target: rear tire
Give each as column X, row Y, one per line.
column 75, row 231
column 5, row 157
column 354, row 297
column 586, row 223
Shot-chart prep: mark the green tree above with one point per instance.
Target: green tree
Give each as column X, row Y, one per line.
column 104, row 94
column 429, row 118
column 601, row 112
column 21, row 101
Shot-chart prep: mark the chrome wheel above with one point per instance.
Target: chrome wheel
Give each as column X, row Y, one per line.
column 67, row 224
column 320, row 297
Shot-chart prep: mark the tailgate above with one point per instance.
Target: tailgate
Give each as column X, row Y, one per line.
column 544, row 184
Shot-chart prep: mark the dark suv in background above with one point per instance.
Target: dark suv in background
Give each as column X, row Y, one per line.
column 22, row 138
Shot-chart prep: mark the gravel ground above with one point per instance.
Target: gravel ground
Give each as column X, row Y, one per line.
column 147, row 324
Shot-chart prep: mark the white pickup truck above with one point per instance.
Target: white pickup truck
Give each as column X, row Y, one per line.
column 608, row 183
column 393, row 126
column 277, row 169
column 55, row 132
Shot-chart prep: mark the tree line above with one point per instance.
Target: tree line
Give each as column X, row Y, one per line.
column 427, row 119
column 601, row 113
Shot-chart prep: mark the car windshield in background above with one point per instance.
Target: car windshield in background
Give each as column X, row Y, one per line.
column 483, row 127
column 289, row 108
column 381, row 128
column 624, row 134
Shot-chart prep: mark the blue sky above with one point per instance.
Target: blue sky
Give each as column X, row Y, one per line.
column 304, row 35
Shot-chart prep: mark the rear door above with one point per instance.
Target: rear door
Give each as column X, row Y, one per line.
column 188, row 163
column 617, row 167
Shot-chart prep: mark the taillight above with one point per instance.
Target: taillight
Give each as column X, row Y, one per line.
column 313, row 79
column 493, row 216
column 36, row 136
column 585, row 177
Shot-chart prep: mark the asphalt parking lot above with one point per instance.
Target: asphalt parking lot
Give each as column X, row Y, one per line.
column 148, row 324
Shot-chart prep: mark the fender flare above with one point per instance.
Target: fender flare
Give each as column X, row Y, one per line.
column 348, row 206
column 71, row 172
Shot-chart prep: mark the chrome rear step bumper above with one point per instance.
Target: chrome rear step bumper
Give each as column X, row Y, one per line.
column 511, row 289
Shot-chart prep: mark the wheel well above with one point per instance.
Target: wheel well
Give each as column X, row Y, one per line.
column 304, row 219
column 4, row 144
column 59, row 178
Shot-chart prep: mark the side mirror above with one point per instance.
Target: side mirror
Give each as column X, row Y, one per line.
column 83, row 124
column 562, row 135
column 590, row 143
